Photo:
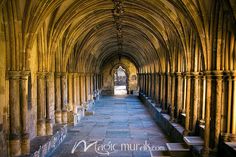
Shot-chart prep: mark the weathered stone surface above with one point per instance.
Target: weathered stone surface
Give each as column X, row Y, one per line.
column 114, row 122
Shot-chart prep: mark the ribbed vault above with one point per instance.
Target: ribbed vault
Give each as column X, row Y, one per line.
column 152, row 31
column 54, row 54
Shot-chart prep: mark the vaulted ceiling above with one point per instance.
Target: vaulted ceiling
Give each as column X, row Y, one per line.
column 83, row 35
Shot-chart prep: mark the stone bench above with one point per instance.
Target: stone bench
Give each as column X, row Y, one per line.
column 195, row 143
column 178, row 149
column 193, row 140
column 45, row 145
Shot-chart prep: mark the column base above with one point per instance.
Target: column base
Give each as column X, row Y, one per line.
column 205, row 152
column 186, row 132
column 41, row 128
column 58, row 117
column 49, row 127
column 64, row 117
column 172, row 120
column 25, row 145
column 228, row 137
column 15, row 147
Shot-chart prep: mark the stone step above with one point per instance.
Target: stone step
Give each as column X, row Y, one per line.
column 178, row 149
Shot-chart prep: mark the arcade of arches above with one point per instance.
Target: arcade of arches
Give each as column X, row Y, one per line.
column 58, row 56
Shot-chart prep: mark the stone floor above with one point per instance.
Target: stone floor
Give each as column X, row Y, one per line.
column 120, row 127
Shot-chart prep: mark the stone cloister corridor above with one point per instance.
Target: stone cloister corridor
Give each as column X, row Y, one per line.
column 58, row 68
column 116, row 121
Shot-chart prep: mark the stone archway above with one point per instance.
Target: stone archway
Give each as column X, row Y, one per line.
column 120, row 81
column 125, row 69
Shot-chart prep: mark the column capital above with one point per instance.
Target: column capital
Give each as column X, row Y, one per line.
column 179, row 74
column 42, row 75
column 172, row 74
column 195, row 74
column 25, row 74
column 76, row 75
column 14, row 75
column 208, row 74
column 57, row 74
column 81, row 74
column 218, row 74
column 49, row 75
column 70, row 74
column 64, row 75
column 233, row 74
column 187, row 74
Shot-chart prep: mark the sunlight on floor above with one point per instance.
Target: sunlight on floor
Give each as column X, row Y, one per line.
column 120, row 90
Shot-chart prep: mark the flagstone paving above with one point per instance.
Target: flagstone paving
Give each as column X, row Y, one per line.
column 121, row 125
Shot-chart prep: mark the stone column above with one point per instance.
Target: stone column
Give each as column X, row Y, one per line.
column 82, row 88
column 150, row 85
column 70, row 91
column 50, row 103
column 163, row 92
column 75, row 99
column 143, row 83
column 218, row 75
column 179, row 102
column 64, row 100
column 25, row 139
column 146, row 85
column 157, row 90
column 76, row 92
column 153, row 86
column 187, row 107
column 88, row 92
column 168, row 92
column 58, row 113
column 41, row 106
column 195, row 100
column 94, row 87
column 233, row 117
column 91, row 87
column 203, row 98
column 173, row 90
column 78, row 88
column 205, row 151
column 14, row 112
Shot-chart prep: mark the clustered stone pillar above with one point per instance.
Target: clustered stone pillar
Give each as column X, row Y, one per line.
column 229, row 134
column 82, row 88
column 50, row 103
column 233, row 130
column 168, row 92
column 91, row 87
column 179, row 102
column 19, row 141
column 157, row 88
column 70, row 91
column 218, row 76
column 58, row 113
column 76, row 93
column 188, row 101
column 25, row 139
column 172, row 97
column 64, row 102
column 206, row 148
column 195, row 98
column 41, row 104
